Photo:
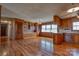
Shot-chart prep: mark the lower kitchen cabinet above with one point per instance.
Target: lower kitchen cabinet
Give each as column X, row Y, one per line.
column 58, row 38
column 68, row 37
column 75, row 38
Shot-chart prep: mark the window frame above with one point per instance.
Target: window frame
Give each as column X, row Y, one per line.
column 43, row 28
column 75, row 26
column 50, row 29
column 55, row 28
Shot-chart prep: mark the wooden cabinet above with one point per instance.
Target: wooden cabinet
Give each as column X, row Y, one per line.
column 75, row 38
column 69, row 23
column 19, row 29
column 57, row 20
column 68, row 37
column 66, row 23
column 58, row 38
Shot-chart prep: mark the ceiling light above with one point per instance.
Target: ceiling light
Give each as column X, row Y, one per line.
column 73, row 9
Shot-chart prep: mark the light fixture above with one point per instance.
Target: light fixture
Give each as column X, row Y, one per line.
column 74, row 9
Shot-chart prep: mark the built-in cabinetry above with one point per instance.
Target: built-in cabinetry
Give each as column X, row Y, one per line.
column 65, row 31
column 18, row 29
column 66, row 23
column 58, row 38
column 68, row 37
column 57, row 20
column 71, row 38
column 75, row 37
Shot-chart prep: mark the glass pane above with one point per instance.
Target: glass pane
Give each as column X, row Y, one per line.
column 54, row 26
column 75, row 23
column 48, row 30
column 54, row 29
column 77, row 27
column 43, row 28
column 74, row 28
column 48, row 26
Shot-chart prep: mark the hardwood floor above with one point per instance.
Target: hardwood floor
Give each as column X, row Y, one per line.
column 67, row 49
column 37, row 47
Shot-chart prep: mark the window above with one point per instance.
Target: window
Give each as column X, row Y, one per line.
column 43, row 28
column 49, row 28
column 75, row 25
column 54, row 29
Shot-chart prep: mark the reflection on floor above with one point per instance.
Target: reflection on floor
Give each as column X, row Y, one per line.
column 38, row 47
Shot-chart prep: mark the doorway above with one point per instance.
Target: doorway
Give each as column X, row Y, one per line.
column 4, row 30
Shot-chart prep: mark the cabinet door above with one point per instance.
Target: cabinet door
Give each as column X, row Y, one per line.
column 68, row 37
column 58, row 38
column 57, row 20
column 66, row 23
column 76, row 38
column 19, row 30
column 69, row 22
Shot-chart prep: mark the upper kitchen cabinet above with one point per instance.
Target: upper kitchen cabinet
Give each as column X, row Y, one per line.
column 57, row 20
column 66, row 23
